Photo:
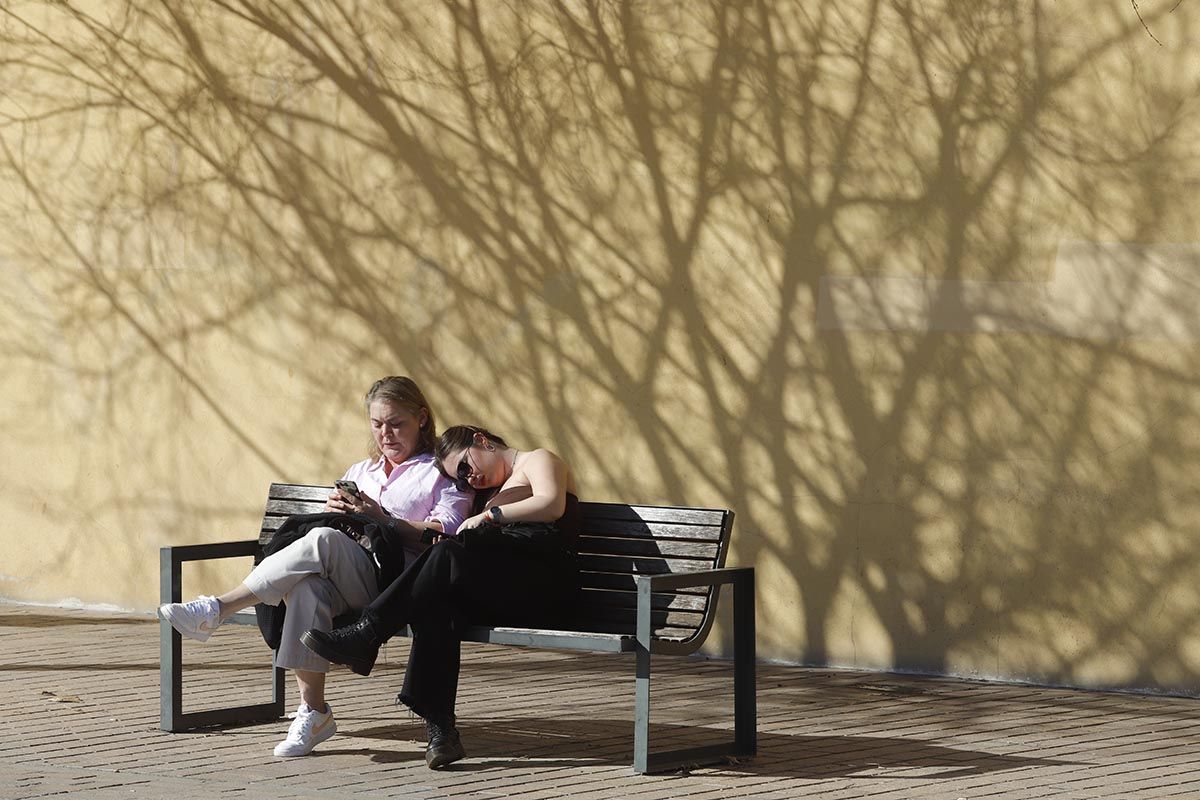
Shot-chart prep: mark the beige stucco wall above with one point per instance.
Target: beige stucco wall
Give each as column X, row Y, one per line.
column 908, row 286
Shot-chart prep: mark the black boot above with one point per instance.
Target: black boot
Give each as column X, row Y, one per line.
column 356, row 644
column 445, row 747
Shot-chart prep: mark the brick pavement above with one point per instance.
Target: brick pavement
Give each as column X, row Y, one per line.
column 81, row 691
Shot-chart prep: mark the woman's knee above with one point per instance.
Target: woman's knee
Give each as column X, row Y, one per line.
column 445, row 561
column 447, row 550
column 442, row 571
column 323, row 537
column 328, row 543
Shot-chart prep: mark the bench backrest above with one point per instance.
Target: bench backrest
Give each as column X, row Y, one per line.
column 618, row 541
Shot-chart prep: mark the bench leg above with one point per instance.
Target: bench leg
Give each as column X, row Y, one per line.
column 745, row 706
column 641, row 710
column 171, row 715
column 745, row 698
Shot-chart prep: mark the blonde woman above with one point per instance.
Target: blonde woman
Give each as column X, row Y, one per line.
column 326, row 572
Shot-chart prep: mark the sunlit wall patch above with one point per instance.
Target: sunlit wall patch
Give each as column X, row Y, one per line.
column 1106, row 291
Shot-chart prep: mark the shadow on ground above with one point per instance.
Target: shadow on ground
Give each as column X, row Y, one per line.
column 60, row 620
column 146, row 667
column 556, row 743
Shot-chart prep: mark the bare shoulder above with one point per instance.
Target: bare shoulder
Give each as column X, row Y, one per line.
column 542, row 454
column 541, row 459
column 546, row 461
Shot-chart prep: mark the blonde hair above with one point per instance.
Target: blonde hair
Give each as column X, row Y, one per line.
column 404, row 392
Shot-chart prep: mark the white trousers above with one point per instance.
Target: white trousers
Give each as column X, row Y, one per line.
column 318, row 577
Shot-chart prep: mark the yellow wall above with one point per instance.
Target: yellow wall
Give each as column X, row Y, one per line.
column 907, row 285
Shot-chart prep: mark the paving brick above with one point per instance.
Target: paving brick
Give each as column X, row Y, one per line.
column 82, row 695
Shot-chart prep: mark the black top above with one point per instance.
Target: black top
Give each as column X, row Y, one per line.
column 570, row 524
column 545, row 540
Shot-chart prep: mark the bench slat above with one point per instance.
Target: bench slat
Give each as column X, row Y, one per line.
column 667, row 633
column 617, row 511
column 610, row 639
column 625, row 582
column 298, row 491
column 659, row 618
column 650, row 530
column 674, row 602
column 285, row 507
column 574, row 640
column 278, row 511
column 648, row 547
column 591, row 510
column 279, row 508
column 640, row 565
column 271, row 522
column 587, row 545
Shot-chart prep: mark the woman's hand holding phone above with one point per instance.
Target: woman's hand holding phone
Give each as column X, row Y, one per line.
column 365, row 505
column 349, row 499
column 338, row 502
column 345, row 497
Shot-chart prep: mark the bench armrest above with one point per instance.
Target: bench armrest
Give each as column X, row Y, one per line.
column 203, row 552
column 171, row 558
column 742, row 579
column 686, row 580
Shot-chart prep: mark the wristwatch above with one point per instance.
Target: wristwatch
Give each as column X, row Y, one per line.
column 496, row 515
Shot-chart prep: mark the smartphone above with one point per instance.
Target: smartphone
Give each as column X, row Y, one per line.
column 348, row 488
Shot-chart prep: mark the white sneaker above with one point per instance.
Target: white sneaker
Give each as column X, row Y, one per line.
column 195, row 619
column 308, row 730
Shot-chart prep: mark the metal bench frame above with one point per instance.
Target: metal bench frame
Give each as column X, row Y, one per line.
column 170, row 644
column 642, row 642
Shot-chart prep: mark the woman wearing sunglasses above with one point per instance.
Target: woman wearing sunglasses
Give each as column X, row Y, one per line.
column 511, row 563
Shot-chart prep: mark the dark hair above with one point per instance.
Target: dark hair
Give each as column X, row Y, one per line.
column 405, row 393
column 460, row 437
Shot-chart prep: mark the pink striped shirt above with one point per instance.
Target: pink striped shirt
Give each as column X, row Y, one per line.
column 415, row 491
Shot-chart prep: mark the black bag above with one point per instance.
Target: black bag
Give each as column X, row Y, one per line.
column 382, row 543
column 539, row 539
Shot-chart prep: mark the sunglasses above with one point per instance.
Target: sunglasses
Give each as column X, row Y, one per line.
column 463, row 473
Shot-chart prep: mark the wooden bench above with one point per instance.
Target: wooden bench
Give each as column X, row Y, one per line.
column 650, row 576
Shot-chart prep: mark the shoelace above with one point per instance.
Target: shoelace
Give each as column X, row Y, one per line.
column 302, row 725
column 439, row 732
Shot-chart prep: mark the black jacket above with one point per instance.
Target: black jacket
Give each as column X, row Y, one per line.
column 382, row 543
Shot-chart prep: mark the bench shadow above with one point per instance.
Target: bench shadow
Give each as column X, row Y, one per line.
column 64, row 620
column 557, row 743
column 146, row 667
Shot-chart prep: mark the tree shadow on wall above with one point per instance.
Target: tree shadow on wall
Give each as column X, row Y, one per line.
column 611, row 227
